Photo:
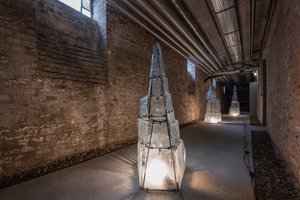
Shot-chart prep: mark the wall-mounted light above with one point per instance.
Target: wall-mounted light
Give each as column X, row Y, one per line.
column 161, row 152
column 255, row 73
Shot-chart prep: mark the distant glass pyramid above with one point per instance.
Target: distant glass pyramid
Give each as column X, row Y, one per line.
column 234, row 109
column 213, row 105
column 161, row 152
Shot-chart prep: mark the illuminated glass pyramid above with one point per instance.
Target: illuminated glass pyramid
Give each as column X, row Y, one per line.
column 213, row 105
column 234, row 109
column 161, row 152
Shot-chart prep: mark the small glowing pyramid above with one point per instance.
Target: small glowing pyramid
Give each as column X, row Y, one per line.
column 234, row 109
column 213, row 105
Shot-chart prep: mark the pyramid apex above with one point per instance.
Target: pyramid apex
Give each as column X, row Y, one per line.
column 157, row 66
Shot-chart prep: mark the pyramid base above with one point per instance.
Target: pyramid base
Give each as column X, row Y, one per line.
column 161, row 169
column 235, row 112
column 213, row 118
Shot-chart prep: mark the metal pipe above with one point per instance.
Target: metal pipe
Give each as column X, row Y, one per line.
column 178, row 46
column 179, row 25
column 142, row 15
column 267, row 27
column 236, row 71
column 184, row 13
column 239, row 25
column 220, row 34
column 171, row 16
column 150, row 10
column 241, row 70
column 252, row 27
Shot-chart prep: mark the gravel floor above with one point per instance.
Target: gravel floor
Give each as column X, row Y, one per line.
column 273, row 179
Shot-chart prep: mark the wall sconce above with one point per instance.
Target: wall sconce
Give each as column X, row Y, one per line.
column 234, row 109
column 161, row 152
column 213, row 106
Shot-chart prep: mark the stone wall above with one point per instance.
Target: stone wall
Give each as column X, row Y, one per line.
column 52, row 84
column 283, row 82
column 261, row 93
column 71, row 85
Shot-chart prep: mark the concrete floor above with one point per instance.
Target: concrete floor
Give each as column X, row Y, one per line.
column 215, row 170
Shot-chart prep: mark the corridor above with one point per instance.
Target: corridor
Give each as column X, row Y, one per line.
column 215, row 170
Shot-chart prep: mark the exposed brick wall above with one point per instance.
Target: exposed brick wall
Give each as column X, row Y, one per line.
column 52, row 84
column 67, row 44
column 261, row 93
column 283, row 82
column 18, row 60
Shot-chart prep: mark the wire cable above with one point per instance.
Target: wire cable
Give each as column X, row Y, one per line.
column 246, row 158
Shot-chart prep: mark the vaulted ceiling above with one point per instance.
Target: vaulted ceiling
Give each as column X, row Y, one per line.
column 217, row 35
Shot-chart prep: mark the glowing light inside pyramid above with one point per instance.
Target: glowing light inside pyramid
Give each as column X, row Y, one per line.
column 156, row 172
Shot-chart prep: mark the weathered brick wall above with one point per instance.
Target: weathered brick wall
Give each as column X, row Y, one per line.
column 261, row 94
column 52, row 84
column 71, row 85
column 129, row 57
column 67, row 44
column 283, row 82
column 18, row 59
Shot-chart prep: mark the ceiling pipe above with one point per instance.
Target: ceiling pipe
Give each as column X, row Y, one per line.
column 236, row 3
column 129, row 7
column 116, row 4
column 171, row 16
column 148, row 7
column 267, row 27
column 179, row 41
column 145, row 6
column 184, row 13
column 252, row 27
column 153, row 13
column 220, row 34
column 236, row 71
column 161, row 5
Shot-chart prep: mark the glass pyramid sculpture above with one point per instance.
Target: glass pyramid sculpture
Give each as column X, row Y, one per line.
column 161, row 152
column 213, row 105
column 234, row 109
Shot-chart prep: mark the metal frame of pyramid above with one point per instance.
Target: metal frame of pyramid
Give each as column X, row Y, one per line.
column 161, row 152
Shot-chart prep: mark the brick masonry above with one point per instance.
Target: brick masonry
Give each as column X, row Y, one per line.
column 52, row 84
column 70, row 85
column 283, row 83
